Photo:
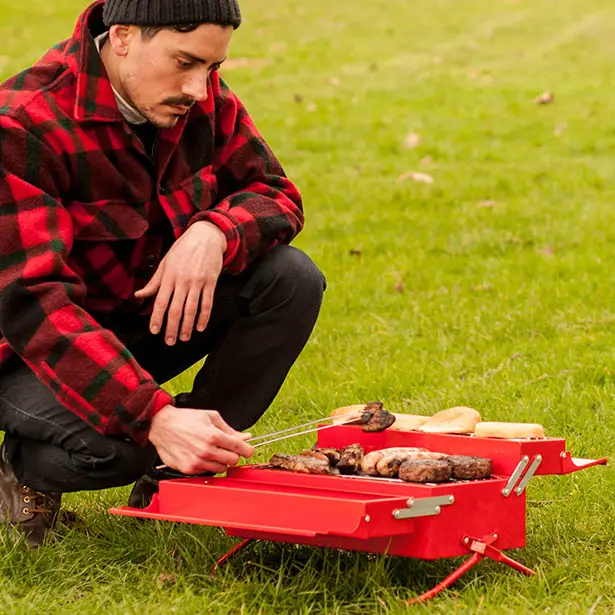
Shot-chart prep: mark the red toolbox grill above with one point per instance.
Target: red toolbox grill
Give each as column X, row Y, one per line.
column 372, row 514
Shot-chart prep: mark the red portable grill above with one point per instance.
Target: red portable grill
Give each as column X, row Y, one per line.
column 372, row 514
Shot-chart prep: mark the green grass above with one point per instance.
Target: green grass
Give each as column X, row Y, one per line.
column 508, row 308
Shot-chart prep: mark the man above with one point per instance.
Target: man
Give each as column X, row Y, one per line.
column 144, row 225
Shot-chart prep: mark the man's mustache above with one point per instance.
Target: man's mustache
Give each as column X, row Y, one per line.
column 179, row 101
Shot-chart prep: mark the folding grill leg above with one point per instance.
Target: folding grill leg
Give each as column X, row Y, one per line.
column 485, row 548
column 236, row 549
column 440, row 587
column 481, row 549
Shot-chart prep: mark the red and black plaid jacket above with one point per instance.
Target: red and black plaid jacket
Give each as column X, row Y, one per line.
column 78, row 194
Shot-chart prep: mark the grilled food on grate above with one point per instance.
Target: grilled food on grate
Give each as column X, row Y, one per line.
column 332, row 454
column 425, row 470
column 302, row 464
column 387, row 463
column 350, row 459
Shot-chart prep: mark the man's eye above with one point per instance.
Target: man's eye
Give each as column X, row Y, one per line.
column 183, row 64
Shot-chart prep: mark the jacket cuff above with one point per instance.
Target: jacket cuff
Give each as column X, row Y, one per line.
column 227, row 226
column 135, row 414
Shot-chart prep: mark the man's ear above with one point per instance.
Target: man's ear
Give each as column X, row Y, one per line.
column 120, row 38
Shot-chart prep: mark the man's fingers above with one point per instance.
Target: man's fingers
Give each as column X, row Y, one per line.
column 160, row 306
column 190, row 311
column 207, row 299
column 220, row 455
column 233, row 443
column 175, row 313
column 221, row 424
column 152, row 286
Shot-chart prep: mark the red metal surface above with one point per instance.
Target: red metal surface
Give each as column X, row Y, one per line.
column 505, row 454
column 357, row 513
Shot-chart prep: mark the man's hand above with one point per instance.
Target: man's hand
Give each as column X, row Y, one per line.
column 195, row 441
column 186, row 278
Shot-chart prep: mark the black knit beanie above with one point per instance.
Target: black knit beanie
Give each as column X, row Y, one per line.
column 161, row 13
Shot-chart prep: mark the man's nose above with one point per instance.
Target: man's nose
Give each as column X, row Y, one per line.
column 196, row 88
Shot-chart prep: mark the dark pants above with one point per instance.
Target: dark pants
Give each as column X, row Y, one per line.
column 260, row 322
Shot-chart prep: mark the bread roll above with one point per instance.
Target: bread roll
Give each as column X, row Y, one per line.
column 460, row 420
column 407, row 422
column 509, row 430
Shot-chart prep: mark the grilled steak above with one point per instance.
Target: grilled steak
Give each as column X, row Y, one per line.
column 425, row 471
column 470, row 468
column 304, row 465
column 350, row 459
column 315, row 454
column 332, row 454
column 379, row 420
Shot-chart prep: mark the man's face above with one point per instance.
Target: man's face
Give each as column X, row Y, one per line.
column 165, row 75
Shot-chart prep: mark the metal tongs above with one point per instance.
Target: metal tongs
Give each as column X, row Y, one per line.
column 352, row 417
column 276, row 436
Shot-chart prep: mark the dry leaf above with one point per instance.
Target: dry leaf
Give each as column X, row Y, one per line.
column 546, row 98
column 355, row 252
column 334, row 81
column 412, row 141
column 421, row 178
column 560, row 129
column 546, row 251
column 427, row 161
column 487, row 204
column 298, row 98
column 165, row 579
column 399, row 287
column 312, row 107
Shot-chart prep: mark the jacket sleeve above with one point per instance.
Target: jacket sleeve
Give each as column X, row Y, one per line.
column 85, row 366
column 259, row 206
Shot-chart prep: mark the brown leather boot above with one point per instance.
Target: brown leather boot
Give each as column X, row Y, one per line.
column 31, row 513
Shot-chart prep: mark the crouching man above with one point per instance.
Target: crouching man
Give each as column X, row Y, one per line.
column 144, row 225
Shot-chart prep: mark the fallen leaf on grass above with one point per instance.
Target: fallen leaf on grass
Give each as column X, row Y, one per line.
column 298, row 98
column 165, row 579
column 560, row 129
column 546, row 98
column 427, row 161
column 546, row 251
column 356, row 252
column 312, row 107
column 334, row 81
column 420, row 178
column 487, row 204
column 412, row 141
column 399, row 287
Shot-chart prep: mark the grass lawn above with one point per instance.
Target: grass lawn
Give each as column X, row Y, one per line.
column 492, row 287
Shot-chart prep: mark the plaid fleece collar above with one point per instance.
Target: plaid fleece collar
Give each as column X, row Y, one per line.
column 95, row 100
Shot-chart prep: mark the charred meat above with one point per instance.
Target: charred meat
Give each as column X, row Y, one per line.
column 332, row 454
column 315, row 454
column 302, row 464
column 369, row 463
column 470, row 468
column 425, row 471
column 350, row 459
column 379, row 419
